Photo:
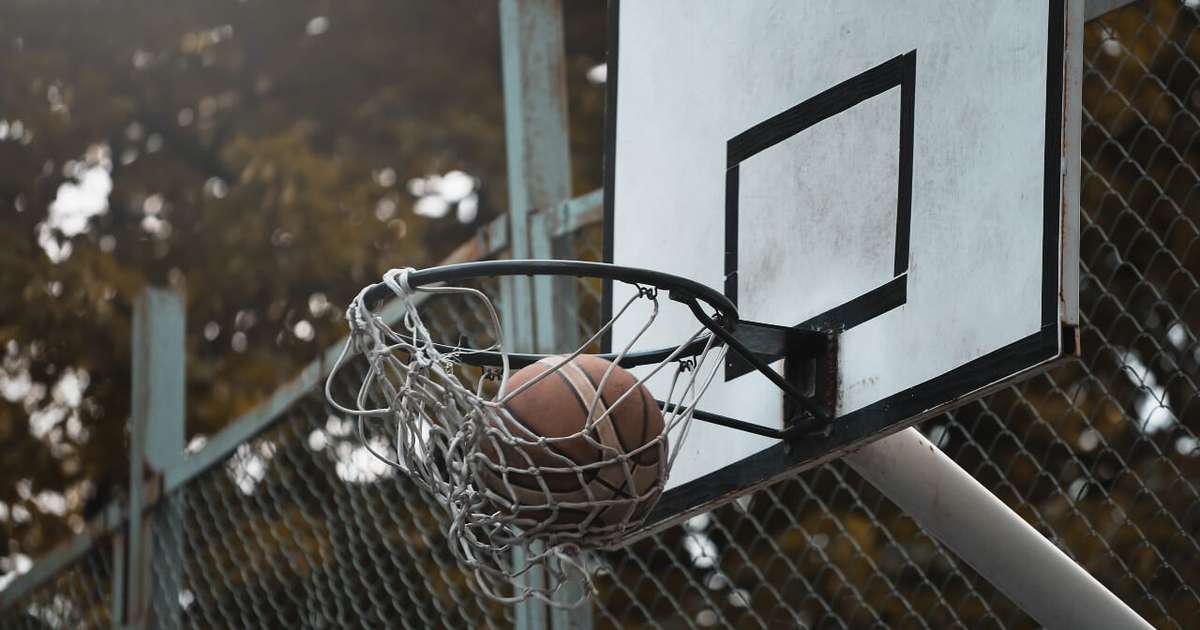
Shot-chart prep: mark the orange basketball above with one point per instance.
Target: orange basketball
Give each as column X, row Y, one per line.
column 557, row 407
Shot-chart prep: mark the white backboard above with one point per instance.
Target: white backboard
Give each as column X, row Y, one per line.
column 903, row 171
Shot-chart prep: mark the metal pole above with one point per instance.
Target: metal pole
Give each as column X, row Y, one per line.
column 538, row 155
column 539, row 178
column 956, row 509
column 156, row 442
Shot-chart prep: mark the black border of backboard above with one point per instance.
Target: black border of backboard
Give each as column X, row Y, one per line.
column 876, row 420
column 896, row 73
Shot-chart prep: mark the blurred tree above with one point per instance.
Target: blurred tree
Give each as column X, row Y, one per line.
column 255, row 155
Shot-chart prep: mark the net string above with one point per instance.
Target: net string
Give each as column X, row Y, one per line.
column 458, row 442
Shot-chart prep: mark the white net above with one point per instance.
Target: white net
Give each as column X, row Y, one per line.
column 537, row 466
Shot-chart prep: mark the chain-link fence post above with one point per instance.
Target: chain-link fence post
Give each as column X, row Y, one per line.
column 156, row 439
column 539, row 177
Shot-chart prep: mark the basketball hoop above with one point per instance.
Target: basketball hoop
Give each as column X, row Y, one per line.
column 514, row 458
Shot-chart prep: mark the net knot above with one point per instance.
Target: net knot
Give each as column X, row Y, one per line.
column 397, row 281
column 356, row 313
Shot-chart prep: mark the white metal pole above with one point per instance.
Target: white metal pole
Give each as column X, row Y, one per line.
column 957, row 510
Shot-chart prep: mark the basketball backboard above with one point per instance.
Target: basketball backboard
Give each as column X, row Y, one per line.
column 903, row 172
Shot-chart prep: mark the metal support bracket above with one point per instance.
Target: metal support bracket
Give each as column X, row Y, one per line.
column 809, row 381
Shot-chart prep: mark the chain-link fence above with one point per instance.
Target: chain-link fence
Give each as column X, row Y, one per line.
column 299, row 526
column 79, row 595
column 302, row 527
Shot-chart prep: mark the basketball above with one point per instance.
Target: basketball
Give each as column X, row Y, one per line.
column 557, row 407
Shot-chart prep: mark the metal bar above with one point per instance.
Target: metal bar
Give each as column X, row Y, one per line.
column 539, row 176
column 956, row 509
column 582, row 211
column 156, row 430
column 1072, row 174
column 1097, row 8
column 158, row 376
column 535, row 121
column 571, row 590
column 165, row 543
column 253, row 422
column 531, row 613
column 731, row 423
column 250, row 424
column 488, row 240
column 517, row 360
column 548, row 317
column 572, row 213
column 560, row 311
column 57, row 560
column 575, row 213
column 820, row 416
column 681, row 289
column 535, row 109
